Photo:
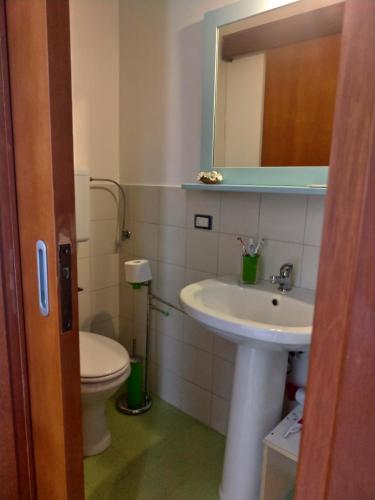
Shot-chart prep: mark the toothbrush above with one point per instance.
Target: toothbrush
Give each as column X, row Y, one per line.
column 259, row 246
column 244, row 251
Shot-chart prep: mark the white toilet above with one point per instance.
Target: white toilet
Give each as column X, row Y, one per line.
column 105, row 365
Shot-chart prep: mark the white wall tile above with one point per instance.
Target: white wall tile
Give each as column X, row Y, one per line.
column 83, row 249
column 197, row 366
column 167, row 385
column 126, row 302
column 230, row 252
column 192, row 276
column 277, row 253
column 104, row 237
column 172, row 242
column 219, row 414
column 222, row 378
column 104, row 271
column 196, row 402
column 103, row 201
column 314, row 220
column 171, row 280
column 173, row 206
column 169, row 353
column 83, row 267
column 144, row 204
column 105, row 303
column 310, row 265
column 240, row 213
column 203, row 203
column 84, row 306
column 196, row 335
column 282, row 217
column 202, row 250
column 145, row 240
column 109, row 328
column 171, row 325
column 225, row 349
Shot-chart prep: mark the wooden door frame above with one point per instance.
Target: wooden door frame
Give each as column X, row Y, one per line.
column 16, row 452
column 41, row 110
column 338, row 451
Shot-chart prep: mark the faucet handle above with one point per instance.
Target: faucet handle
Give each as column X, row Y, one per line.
column 286, row 270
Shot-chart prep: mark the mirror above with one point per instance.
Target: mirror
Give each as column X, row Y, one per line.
column 275, row 85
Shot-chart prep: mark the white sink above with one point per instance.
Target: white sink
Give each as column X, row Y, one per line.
column 265, row 324
column 260, row 312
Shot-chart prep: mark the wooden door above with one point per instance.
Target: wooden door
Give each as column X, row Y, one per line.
column 338, row 442
column 39, row 68
column 16, row 459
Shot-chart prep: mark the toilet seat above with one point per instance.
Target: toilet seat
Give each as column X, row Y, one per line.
column 101, row 358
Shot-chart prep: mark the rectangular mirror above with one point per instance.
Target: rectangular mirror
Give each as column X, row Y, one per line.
column 270, row 83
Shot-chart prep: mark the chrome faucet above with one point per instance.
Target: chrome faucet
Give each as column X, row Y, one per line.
column 284, row 279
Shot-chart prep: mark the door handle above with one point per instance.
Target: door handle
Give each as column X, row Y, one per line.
column 42, row 271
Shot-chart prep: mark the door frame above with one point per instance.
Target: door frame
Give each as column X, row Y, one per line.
column 338, row 452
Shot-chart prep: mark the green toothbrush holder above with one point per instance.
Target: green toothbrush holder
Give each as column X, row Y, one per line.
column 249, row 269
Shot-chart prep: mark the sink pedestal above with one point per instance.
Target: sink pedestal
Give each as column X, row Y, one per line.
column 257, row 398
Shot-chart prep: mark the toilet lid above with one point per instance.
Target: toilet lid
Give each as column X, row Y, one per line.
column 100, row 356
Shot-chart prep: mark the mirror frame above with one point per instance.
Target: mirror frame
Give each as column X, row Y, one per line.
column 303, row 177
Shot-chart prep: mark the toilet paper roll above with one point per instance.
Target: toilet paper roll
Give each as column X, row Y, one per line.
column 137, row 271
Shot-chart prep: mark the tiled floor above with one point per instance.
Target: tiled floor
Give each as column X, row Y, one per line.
column 161, row 455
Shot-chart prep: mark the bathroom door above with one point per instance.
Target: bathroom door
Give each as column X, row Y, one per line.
column 40, row 87
column 338, row 442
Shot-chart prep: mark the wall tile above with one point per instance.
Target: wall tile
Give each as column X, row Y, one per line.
column 225, row 349
column 84, row 306
column 109, row 328
column 167, row 385
column 104, row 271
column 204, row 203
column 172, row 242
column 171, row 280
column 196, row 335
column 240, row 213
column 276, row 253
column 197, row 366
column 222, row 377
column 83, row 249
column 105, row 303
column 173, row 206
column 171, row 325
column 192, row 276
column 310, row 265
column 144, row 204
column 104, row 237
column 83, row 268
column 230, row 252
column 219, row 414
column 103, row 202
column 282, row 217
column 126, row 302
column 314, row 220
column 169, row 353
column 196, row 402
column 145, row 240
column 202, row 250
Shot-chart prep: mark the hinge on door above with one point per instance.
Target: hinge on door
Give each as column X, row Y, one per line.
column 65, row 262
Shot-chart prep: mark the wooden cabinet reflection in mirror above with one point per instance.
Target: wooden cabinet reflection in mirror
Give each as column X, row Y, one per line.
column 276, row 91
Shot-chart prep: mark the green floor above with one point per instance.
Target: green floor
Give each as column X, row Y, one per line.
column 163, row 454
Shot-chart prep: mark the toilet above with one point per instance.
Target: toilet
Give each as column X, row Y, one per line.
column 105, row 365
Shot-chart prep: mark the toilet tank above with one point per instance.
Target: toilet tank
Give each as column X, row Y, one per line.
column 82, row 202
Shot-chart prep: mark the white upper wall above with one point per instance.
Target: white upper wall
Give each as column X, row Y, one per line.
column 161, row 89
column 94, row 31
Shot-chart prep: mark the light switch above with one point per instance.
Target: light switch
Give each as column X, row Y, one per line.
column 203, row 221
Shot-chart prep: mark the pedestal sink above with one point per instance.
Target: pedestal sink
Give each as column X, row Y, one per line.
column 265, row 324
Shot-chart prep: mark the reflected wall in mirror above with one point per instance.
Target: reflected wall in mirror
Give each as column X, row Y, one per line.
column 276, row 86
